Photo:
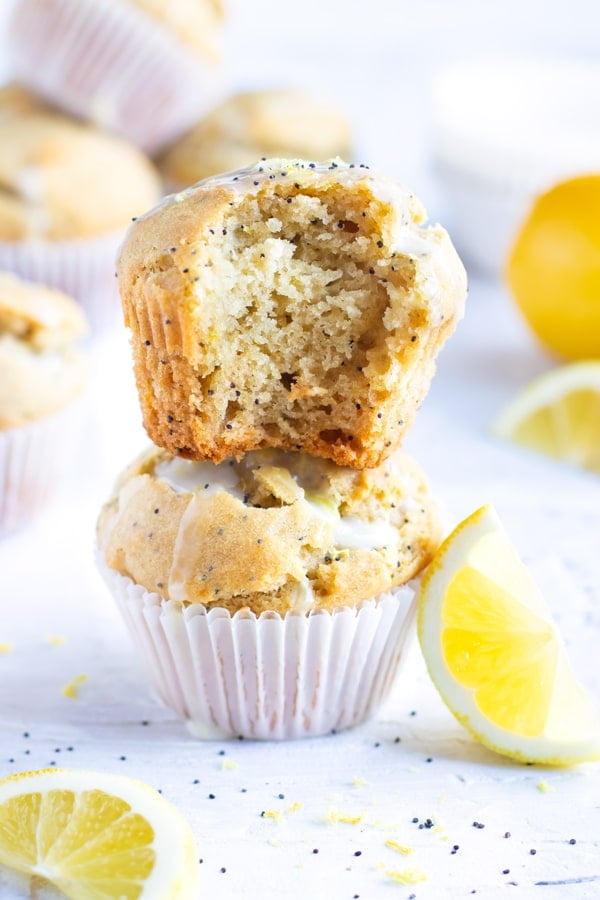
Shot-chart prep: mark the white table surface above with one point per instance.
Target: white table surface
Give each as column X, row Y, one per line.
column 413, row 760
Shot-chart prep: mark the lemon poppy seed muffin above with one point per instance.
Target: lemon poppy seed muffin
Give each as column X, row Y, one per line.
column 275, row 531
column 247, row 126
column 52, row 169
column 291, row 304
column 41, row 368
column 271, row 597
column 42, row 374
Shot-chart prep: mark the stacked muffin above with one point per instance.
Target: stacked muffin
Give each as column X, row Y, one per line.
column 284, row 323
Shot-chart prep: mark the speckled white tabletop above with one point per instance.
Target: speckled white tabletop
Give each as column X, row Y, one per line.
column 315, row 819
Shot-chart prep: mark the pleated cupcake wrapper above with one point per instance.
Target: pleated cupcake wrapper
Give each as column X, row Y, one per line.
column 105, row 60
column 267, row 677
column 84, row 268
column 34, row 460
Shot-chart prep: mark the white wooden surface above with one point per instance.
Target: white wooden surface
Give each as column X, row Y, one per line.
column 413, row 760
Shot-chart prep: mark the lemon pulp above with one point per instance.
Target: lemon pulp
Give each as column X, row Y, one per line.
column 494, row 653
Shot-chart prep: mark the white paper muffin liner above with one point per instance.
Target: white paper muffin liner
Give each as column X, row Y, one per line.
column 267, row 677
column 34, row 461
column 84, row 268
column 107, row 61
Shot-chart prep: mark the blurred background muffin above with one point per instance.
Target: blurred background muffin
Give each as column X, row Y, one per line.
column 284, row 123
column 197, row 23
column 142, row 68
column 41, row 374
column 68, row 192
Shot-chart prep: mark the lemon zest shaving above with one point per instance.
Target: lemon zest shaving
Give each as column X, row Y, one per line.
column 296, row 805
column 399, row 848
column 274, row 814
column 56, row 640
column 333, row 816
column 229, row 764
column 6, row 648
column 70, row 689
column 360, row 782
column 406, row 876
column 545, row 787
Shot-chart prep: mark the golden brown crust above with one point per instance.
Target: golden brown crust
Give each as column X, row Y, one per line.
column 52, row 179
column 293, row 532
column 212, row 285
column 255, row 124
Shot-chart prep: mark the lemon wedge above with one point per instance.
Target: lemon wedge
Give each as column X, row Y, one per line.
column 96, row 836
column 558, row 414
column 494, row 653
column 553, row 268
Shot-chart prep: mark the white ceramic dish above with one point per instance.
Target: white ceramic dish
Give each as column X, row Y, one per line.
column 505, row 131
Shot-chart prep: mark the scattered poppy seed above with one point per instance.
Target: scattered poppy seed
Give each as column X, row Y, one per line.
column 211, row 797
column 532, row 852
column 572, row 841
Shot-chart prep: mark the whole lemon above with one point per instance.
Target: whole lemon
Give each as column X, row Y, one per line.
column 553, row 268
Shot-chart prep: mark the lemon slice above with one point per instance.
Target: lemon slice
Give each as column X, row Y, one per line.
column 96, row 836
column 559, row 415
column 553, row 268
column 494, row 653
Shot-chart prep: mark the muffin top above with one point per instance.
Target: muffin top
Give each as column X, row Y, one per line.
column 40, row 368
column 195, row 22
column 277, row 123
column 273, row 531
column 64, row 179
